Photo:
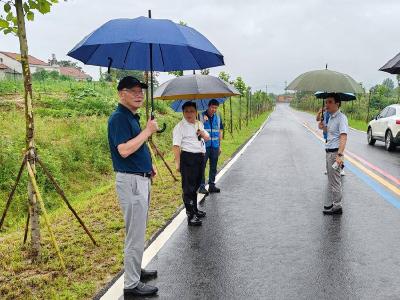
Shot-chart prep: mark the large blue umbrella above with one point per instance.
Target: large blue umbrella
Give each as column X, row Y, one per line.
column 126, row 43
column 149, row 45
column 202, row 104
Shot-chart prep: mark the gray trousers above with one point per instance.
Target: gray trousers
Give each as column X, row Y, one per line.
column 134, row 195
column 334, row 180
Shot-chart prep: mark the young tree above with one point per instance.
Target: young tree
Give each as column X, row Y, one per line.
column 389, row 83
column 16, row 12
column 241, row 87
column 225, row 77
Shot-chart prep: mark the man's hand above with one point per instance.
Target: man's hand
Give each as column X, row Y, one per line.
column 203, row 134
column 153, row 172
column 339, row 160
column 178, row 166
column 205, row 118
column 152, row 126
column 321, row 125
column 219, row 151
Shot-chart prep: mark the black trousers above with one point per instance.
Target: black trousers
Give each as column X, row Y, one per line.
column 192, row 168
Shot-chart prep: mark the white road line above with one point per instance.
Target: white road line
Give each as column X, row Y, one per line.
column 116, row 290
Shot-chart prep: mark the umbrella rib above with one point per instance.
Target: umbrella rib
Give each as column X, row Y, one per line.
column 162, row 58
column 127, row 52
column 189, row 48
column 97, row 47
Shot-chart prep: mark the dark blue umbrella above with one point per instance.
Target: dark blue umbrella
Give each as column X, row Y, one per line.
column 202, row 104
column 342, row 96
column 149, row 45
column 126, row 43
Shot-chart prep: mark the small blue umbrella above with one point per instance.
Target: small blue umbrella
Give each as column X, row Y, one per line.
column 202, row 104
column 149, row 45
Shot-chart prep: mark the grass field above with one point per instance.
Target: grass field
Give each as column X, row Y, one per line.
column 71, row 139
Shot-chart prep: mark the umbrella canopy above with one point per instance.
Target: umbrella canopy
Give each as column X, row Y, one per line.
column 126, row 43
column 202, row 104
column 392, row 66
column 325, row 80
column 342, row 96
column 195, row 86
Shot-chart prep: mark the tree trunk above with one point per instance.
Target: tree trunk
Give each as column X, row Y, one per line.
column 231, row 114
column 240, row 112
column 247, row 108
column 224, row 119
column 30, row 145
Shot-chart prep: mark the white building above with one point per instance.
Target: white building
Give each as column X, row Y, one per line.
column 12, row 61
column 10, row 66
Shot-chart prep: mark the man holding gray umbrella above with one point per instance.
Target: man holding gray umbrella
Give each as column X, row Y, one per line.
column 337, row 129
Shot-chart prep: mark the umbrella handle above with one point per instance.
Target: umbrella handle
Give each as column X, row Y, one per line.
column 164, row 126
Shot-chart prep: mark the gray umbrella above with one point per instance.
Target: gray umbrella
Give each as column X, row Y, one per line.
column 195, row 86
column 327, row 81
column 392, row 66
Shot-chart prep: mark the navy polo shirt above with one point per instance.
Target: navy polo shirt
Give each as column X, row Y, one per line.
column 123, row 126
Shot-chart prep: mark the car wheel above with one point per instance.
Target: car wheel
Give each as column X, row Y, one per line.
column 389, row 144
column 371, row 140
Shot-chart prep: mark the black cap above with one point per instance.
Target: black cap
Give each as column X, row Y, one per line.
column 129, row 82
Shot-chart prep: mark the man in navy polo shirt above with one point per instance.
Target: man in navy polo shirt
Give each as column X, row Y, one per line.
column 133, row 166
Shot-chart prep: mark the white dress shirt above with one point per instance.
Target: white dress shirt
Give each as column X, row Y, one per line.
column 185, row 136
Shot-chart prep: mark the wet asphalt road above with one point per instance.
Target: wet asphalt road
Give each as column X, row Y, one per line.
column 265, row 236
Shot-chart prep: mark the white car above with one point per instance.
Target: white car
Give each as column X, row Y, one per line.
column 385, row 127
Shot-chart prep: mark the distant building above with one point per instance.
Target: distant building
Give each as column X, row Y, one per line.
column 6, row 73
column 285, row 98
column 74, row 73
column 10, row 65
column 13, row 61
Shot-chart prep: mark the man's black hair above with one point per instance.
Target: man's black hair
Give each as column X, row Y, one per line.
column 336, row 97
column 189, row 104
column 213, row 102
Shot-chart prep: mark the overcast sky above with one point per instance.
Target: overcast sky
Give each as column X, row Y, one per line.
column 264, row 41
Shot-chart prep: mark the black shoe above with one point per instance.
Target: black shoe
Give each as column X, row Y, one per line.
column 213, row 189
column 141, row 290
column 194, row 221
column 333, row 211
column 202, row 190
column 328, row 207
column 200, row 213
column 147, row 274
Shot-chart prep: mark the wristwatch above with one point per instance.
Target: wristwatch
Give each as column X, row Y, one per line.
column 340, row 154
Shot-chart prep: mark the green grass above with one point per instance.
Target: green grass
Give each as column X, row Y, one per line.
column 71, row 139
column 358, row 124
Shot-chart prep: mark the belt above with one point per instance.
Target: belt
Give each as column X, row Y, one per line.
column 147, row 175
column 332, row 150
column 193, row 153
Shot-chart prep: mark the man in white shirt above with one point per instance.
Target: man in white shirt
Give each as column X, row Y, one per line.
column 189, row 148
column 337, row 129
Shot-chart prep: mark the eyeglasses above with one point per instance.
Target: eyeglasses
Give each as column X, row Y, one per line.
column 133, row 92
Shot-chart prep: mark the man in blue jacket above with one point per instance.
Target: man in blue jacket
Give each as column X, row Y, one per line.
column 214, row 126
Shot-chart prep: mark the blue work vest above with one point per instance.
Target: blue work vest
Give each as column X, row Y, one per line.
column 212, row 126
